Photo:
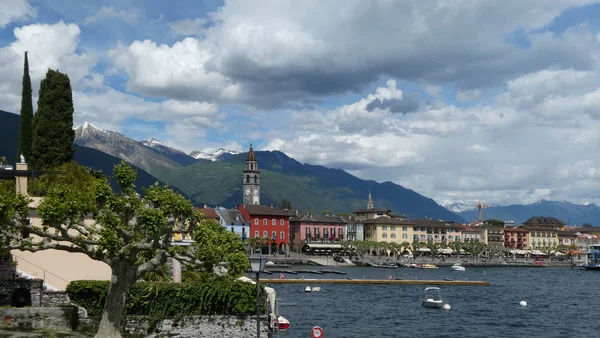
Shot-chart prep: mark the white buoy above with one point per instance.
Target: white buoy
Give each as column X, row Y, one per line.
column 446, row 307
column 523, row 303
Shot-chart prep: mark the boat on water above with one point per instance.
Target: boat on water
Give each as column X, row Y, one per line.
column 307, row 289
column 458, row 267
column 427, row 266
column 433, row 298
column 592, row 259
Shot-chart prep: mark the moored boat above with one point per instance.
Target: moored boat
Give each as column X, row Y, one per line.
column 458, row 267
column 592, row 259
column 428, row 266
column 433, row 298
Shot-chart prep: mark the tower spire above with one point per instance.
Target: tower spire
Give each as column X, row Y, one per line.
column 370, row 205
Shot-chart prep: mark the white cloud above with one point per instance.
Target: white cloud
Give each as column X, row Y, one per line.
column 468, row 95
column 108, row 12
column 49, row 46
column 188, row 27
column 15, row 10
column 478, row 148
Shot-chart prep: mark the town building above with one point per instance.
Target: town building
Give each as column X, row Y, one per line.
column 544, row 222
column 516, row 238
column 540, row 237
column 268, row 222
column 209, row 213
column 317, row 228
column 233, row 220
column 493, row 235
column 568, row 238
column 251, row 179
column 354, row 230
column 370, row 212
column 387, row 229
column 472, row 234
column 436, row 231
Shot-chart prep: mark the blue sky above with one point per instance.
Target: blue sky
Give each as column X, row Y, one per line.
column 459, row 101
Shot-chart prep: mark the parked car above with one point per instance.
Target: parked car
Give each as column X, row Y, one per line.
column 6, row 167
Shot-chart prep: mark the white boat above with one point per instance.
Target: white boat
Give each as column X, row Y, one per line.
column 458, row 267
column 307, row 289
column 433, row 298
column 316, row 289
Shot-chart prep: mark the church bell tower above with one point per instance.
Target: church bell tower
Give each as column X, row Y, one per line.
column 251, row 179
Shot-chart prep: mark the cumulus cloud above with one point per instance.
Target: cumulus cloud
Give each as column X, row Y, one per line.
column 15, row 10
column 108, row 12
column 267, row 55
column 188, row 27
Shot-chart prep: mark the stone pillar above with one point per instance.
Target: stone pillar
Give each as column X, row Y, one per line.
column 176, row 271
column 21, row 181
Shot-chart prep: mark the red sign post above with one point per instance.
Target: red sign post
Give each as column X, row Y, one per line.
column 317, row 332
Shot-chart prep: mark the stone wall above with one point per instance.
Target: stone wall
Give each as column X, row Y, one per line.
column 50, row 318
column 9, row 286
column 200, row 326
column 55, row 298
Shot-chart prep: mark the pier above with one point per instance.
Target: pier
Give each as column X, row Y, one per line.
column 375, row 281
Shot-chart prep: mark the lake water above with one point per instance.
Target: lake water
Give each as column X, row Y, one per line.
column 562, row 302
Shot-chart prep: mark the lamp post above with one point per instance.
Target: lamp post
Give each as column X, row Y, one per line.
column 257, row 265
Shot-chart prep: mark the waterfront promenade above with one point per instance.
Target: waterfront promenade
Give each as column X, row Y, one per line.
column 302, row 259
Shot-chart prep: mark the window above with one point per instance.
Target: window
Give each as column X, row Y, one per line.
column 404, row 228
column 265, row 221
column 384, row 228
column 393, row 235
column 256, row 221
column 282, row 235
column 317, row 231
column 341, row 232
column 265, row 234
column 273, row 221
column 247, row 178
column 384, row 235
column 457, row 238
column 281, row 222
column 405, row 236
column 415, row 237
column 274, row 235
column 256, row 234
column 436, row 236
column 332, row 232
column 232, row 229
column 422, row 236
column 393, row 228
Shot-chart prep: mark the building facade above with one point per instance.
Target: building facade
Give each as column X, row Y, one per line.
column 516, row 238
column 251, row 180
column 354, row 230
column 233, row 220
column 429, row 230
column 268, row 222
column 387, row 229
column 493, row 235
column 316, row 228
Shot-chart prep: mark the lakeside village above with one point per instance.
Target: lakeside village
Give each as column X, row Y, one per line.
column 381, row 233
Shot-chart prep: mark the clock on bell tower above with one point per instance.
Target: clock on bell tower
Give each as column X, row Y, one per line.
column 251, row 179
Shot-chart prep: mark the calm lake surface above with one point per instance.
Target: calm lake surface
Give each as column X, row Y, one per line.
column 562, row 302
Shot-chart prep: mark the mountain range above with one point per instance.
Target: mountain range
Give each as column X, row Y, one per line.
column 216, row 178
column 570, row 213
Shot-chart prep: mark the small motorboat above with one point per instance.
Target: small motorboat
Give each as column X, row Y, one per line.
column 428, row 266
column 307, row 289
column 315, row 289
column 282, row 323
column 458, row 267
column 433, row 298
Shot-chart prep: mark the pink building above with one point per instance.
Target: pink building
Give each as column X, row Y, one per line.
column 311, row 228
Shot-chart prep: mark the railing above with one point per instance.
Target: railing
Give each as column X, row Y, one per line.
column 44, row 271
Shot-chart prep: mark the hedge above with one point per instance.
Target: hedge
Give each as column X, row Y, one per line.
column 171, row 300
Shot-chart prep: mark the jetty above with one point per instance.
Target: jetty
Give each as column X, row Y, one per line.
column 374, row 281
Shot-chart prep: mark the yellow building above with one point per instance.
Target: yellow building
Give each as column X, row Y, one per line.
column 540, row 237
column 386, row 229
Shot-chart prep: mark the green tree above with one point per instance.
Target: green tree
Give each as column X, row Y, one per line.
column 495, row 222
column 26, row 127
column 286, row 204
column 130, row 233
column 53, row 133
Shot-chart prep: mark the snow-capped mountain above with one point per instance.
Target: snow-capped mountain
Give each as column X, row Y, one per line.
column 212, row 155
column 172, row 153
column 123, row 147
column 460, row 206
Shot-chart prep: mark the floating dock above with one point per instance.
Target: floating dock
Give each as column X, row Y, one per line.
column 374, row 281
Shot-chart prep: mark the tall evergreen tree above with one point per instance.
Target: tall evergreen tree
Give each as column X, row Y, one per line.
column 26, row 128
column 53, row 133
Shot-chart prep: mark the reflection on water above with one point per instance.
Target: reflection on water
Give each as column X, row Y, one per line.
column 562, row 302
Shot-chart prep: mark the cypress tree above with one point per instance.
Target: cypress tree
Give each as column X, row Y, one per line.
column 26, row 127
column 53, row 133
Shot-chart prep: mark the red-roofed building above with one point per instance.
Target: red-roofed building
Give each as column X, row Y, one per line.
column 268, row 222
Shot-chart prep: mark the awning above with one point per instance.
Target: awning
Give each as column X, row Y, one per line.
column 424, row 250
column 519, row 252
column 538, row 253
column 324, row 246
column 446, row 251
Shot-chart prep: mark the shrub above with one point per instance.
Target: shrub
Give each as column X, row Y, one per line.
column 158, row 300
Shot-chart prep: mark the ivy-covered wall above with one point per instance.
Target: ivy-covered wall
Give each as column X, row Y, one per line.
column 159, row 301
